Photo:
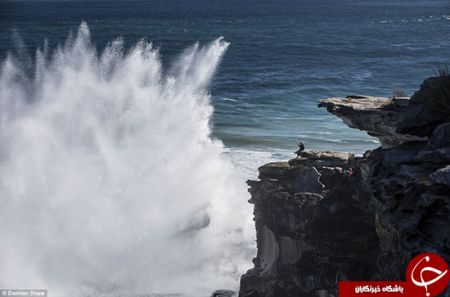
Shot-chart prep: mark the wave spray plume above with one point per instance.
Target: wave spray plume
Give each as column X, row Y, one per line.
column 110, row 182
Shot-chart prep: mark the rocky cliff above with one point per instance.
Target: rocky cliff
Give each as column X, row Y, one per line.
column 327, row 216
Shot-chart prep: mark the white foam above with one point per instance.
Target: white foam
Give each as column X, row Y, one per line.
column 109, row 180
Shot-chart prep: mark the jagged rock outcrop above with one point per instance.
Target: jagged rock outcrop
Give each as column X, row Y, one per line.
column 377, row 115
column 412, row 203
column 327, row 216
column 314, row 226
column 408, row 177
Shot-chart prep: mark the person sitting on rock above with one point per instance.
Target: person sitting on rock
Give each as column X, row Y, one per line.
column 301, row 148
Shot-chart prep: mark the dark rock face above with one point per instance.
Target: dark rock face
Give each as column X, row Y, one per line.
column 441, row 176
column 412, row 206
column 440, row 137
column 223, row 293
column 309, row 236
column 428, row 108
column 327, row 216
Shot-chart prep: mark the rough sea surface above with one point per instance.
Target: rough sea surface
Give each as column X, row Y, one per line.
column 284, row 55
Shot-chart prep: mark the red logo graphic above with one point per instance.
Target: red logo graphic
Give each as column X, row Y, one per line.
column 427, row 275
column 429, row 272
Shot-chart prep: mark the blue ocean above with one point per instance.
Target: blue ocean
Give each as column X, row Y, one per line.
column 284, row 55
column 128, row 128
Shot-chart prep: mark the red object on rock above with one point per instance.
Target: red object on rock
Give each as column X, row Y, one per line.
column 350, row 172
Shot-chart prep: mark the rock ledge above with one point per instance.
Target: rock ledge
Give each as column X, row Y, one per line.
column 327, row 216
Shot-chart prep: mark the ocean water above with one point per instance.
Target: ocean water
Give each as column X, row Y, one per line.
column 283, row 55
column 125, row 144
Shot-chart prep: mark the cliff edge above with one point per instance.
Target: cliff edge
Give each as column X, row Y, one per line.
column 328, row 216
